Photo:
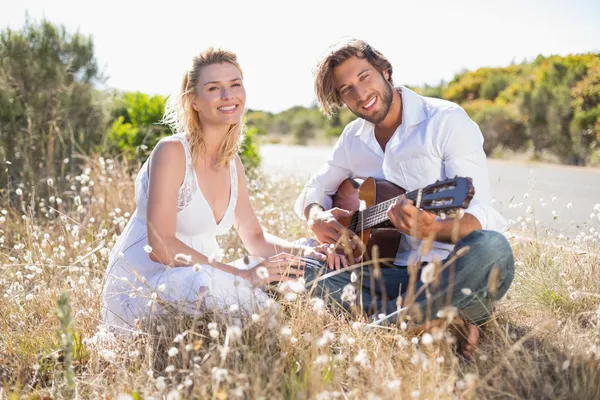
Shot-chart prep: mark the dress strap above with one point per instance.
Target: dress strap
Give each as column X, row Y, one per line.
column 188, row 187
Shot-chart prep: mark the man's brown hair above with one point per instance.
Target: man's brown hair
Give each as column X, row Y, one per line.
column 328, row 97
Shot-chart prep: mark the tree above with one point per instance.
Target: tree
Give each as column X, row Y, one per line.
column 49, row 108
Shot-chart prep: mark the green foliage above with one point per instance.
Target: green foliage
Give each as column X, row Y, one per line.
column 49, row 108
column 249, row 153
column 66, row 336
column 550, row 105
column 136, row 129
column 500, row 125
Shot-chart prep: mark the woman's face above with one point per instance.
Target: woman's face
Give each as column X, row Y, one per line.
column 220, row 94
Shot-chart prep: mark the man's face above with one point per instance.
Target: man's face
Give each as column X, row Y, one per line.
column 365, row 91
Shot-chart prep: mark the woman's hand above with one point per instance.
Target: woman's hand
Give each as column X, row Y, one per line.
column 277, row 268
column 335, row 260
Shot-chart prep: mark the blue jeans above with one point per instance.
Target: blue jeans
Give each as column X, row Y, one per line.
column 464, row 284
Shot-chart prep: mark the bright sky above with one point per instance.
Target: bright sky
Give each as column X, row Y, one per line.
column 146, row 47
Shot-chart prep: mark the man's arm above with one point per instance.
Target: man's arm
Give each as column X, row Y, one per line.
column 314, row 203
column 459, row 143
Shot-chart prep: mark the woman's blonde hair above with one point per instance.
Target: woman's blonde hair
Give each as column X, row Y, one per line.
column 328, row 97
column 182, row 118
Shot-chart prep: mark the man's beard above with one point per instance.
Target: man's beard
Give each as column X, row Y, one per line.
column 386, row 102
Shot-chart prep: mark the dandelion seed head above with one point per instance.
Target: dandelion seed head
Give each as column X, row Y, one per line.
column 263, row 273
column 427, row 339
column 170, row 368
column 466, row 291
column 428, row 273
column 173, row 352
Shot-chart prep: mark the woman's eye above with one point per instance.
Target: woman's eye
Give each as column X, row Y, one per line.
column 212, row 88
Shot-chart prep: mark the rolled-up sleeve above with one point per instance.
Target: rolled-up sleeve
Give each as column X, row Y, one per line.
column 324, row 183
column 461, row 146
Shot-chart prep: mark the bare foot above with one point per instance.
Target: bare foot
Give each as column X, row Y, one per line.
column 472, row 340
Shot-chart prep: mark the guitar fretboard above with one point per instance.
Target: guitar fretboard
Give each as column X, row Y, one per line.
column 375, row 215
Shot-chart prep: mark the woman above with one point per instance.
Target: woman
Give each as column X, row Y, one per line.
column 191, row 189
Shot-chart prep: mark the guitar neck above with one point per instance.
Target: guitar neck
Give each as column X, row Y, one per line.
column 377, row 214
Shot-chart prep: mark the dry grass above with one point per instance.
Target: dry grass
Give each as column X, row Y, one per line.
column 543, row 342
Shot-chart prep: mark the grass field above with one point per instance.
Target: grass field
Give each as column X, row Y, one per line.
column 542, row 343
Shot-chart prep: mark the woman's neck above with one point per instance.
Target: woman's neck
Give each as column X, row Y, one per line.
column 213, row 140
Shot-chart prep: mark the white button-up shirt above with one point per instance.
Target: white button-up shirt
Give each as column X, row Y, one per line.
column 435, row 141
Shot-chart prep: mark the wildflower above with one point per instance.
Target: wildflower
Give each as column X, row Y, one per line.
column 286, row 331
column 219, row 374
column 160, row 383
column 162, row 287
column 197, row 267
column 234, row 332
column 569, row 205
column 296, row 287
column 234, row 308
column 213, row 333
column 173, row 394
column 394, row 385
column 173, row 352
column 255, row 318
column 291, row 296
column 148, row 249
column 353, row 277
column 327, row 338
column 19, row 192
column 317, row 304
column 263, row 273
column 321, row 359
column 427, row 339
column 29, row 297
column 428, row 273
column 349, row 293
column 170, row 368
column 466, row 291
column 108, row 355
column 362, row 358
column 212, row 325
column 183, row 258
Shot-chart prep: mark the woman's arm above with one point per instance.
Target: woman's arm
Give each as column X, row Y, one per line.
column 166, row 171
column 256, row 240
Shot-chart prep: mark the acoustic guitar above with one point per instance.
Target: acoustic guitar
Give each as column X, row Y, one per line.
column 370, row 199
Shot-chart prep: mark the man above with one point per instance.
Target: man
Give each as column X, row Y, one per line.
column 411, row 141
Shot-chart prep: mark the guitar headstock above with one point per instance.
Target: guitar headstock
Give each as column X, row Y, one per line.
column 447, row 196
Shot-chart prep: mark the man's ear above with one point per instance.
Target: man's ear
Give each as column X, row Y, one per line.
column 386, row 75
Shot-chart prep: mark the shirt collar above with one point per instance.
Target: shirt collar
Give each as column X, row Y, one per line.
column 413, row 113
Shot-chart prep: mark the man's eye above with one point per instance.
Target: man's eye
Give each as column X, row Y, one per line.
column 346, row 90
column 236, row 84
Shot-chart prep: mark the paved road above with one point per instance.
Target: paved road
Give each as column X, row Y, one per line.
column 515, row 186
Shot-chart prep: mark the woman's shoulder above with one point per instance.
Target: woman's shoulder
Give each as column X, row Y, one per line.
column 170, row 146
column 169, row 151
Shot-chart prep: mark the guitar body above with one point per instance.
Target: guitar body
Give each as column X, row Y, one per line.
column 371, row 198
column 351, row 193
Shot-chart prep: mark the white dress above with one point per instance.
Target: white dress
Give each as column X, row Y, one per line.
column 136, row 287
